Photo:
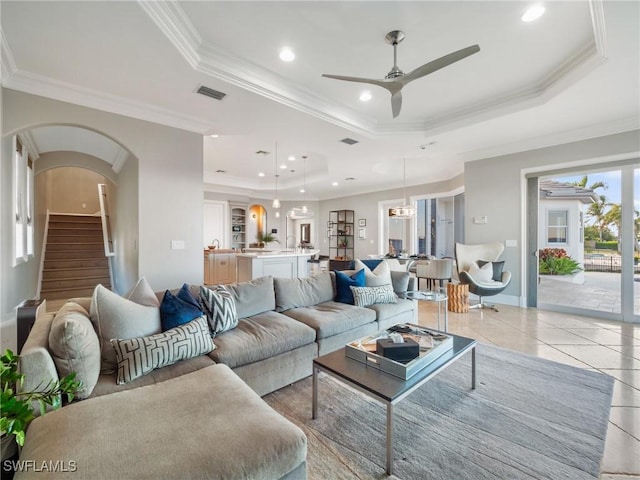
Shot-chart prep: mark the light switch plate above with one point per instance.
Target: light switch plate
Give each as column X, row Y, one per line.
column 511, row 243
column 480, row 220
column 177, row 244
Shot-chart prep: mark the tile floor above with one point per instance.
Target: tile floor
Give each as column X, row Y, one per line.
column 609, row 347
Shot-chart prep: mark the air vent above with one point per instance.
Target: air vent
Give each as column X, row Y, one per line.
column 210, row 92
column 349, row 141
column 221, row 171
column 349, row 179
column 262, row 152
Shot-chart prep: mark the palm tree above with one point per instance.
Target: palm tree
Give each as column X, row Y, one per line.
column 598, row 212
column 585, row 180
column 614, row 217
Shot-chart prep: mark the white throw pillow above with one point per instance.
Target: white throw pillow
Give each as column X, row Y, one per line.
column 482, row 274
column 366, row 296
column 116, row 317
column 143, row 294
column 381, row 275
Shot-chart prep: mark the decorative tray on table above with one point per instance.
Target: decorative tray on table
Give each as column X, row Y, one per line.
column 432, row 345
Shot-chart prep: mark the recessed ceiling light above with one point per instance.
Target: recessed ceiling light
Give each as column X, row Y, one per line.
column 291, row 158
column 365, row 96
column 283, row 167
column 261, row 174
column 287, row 55
column 302, row 190
column 533, row 13
column 214, row 135
column 334, row 184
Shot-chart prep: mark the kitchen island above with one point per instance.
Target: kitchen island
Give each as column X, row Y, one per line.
column 291, row 263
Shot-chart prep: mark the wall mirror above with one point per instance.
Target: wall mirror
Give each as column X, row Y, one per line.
column 305, row 233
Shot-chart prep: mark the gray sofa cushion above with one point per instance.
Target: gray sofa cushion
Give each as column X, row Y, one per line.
column 332, row 318
column 302, row 292
column 253, row 297
column 211, row 414
column 385, row 311
column 259, row 337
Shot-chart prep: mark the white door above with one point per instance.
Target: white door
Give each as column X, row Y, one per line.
column 215, row 223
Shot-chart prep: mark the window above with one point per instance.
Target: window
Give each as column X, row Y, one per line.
column 557, row 226
column 22, row 203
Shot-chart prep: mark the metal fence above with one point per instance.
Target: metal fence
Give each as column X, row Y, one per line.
column 605, row 263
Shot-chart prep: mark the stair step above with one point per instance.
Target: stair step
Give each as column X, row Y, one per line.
column 73, row 254
column 74, row 225
column 57, row 247
column 75, row 229
column 77, row 272
column 83, row 238
column 74, row 283
column 97, row 262
column 74, row 218
column 67, row 293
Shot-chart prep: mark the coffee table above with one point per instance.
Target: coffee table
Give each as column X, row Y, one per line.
column 384, row 387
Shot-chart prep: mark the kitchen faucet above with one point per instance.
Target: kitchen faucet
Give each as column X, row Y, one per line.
column 215, row 243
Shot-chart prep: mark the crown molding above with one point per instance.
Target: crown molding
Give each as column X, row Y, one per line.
column 67, row 92
column 176, row 26
column 218, row 63
column 30, row 144
column 120, row 159
column 570, row 136
column 8, row 62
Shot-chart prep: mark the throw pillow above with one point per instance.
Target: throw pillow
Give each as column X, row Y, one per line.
column 498, row 267
column 365, row 296
column 116, row 317
column 381, row 275
column 185, row 294
column 372, row 263
column 139, row 356
column 75, row 347
column 175, row 311
column 482, row 274
column 143, row 294
column 221, row 308
column 344, row 283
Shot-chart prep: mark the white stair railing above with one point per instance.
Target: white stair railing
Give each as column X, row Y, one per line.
column 43, row 251
column 109, row 251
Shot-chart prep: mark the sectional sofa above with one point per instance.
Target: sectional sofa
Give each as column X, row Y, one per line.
column 195, row 418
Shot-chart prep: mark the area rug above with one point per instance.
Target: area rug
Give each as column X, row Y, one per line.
column 528, row 418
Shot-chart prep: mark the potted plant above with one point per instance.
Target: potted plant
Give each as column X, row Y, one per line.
column 16, row 405
column 266, row 238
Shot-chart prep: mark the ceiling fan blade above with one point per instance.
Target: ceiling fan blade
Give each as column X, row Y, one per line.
column 439, row 63
column 380, row 83
column 396, row 103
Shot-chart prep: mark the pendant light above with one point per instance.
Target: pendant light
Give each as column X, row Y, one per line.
column 276, row 202
column 405, row 211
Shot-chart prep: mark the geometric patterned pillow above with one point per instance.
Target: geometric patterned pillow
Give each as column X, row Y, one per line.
column 365, row 296
column 138, row 356
column 221, row 308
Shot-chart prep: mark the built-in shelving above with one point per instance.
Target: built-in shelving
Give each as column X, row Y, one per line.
column 238, row 228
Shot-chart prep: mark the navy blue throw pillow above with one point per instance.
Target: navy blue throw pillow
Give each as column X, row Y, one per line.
column 344, row 283
column 372, row 263
column 175, row 312
column 186, row 295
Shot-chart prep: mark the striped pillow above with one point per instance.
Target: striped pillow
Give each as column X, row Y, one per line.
column 138, row 356
column 365, row 296
column 221, row 308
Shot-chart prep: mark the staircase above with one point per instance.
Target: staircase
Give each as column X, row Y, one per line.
column 74, row 261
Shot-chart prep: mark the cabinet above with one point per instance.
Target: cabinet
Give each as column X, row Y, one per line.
column 341, row 228
column 238, row 227
column 219, row 268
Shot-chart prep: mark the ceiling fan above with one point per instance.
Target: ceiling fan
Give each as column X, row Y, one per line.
column 396, row 78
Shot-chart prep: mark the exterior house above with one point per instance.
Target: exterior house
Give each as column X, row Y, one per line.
column 561, row 215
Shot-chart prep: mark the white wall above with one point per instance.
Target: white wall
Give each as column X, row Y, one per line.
column 494, row 187
column 170, row 189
